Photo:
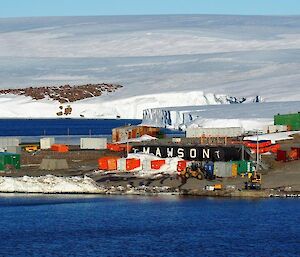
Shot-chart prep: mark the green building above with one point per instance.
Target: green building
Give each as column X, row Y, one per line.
column 9, row 161
column 291, row 120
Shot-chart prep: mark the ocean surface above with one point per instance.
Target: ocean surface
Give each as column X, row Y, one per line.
column 78, row 225
column 66, row 127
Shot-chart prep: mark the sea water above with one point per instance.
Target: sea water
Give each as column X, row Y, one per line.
column 63, row 127
column 91, row 225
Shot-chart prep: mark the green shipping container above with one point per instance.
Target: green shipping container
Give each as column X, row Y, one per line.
column 244, row 167
column 9, row 160
column 291, row 120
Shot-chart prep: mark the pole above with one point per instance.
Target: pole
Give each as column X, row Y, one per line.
column 257, row 151
column 68, row 136
column 127, row 146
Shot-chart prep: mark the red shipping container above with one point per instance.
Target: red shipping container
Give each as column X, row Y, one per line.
column 281, row 156
column 156, row 164
column 102, row 163
column 132, row 164
column 123, row 147
column 108, row 163
column 60, row 148
column 114, row 147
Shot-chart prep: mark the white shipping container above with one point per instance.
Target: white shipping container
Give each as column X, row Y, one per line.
column 47, row 142
column 121, row 164
column 277, row 128
column 9, row 141
column 93, row 143
column 13, row 149
column 146, row 165
column 214, row 132
column 223, row 169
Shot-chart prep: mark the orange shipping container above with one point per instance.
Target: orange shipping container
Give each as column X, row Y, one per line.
column 156, row 164
column 60, row 148
column 234, row 169
column 132, row 164
column 108, row 163
column 114, row 147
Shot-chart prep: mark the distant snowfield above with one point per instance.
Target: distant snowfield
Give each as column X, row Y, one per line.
column 161, row 61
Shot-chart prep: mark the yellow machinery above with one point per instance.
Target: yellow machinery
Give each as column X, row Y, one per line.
column 30, row 148
column 196, row 170
column 254, row 181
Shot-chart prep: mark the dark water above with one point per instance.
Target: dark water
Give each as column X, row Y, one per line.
column 139, row 226
column 41, row 127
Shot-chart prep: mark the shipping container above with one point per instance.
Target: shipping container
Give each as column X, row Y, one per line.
column 13, row 149
column 93, row 143
column 9, row 161
column 223, row 169
column 243, row 166
column 60, row 148
column 234, row 169
column 119, row 147
column 156, row 164
column 47, row 142
column 108, row 163
column 121, row 164
column 290, row 120
column 132, row 164
column 9, row 141
column 146, row 165
column 214, row 132
column 277, row 128
column 281, row 156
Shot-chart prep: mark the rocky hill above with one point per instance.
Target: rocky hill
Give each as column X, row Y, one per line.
column 64, row 93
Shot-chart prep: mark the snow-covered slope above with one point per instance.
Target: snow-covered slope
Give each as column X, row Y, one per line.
column 197, row 58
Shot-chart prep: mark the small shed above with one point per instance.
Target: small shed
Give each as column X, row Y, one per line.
column 54, row 164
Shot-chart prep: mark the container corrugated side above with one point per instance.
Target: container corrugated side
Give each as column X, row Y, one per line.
column 223, row 169
column 47, row 142
column 93, row 143
column 13, row 149
column 9, row 141
column 214, row 132
column 121, row 164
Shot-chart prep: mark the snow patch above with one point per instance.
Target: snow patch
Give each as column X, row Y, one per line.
column 48, row 184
